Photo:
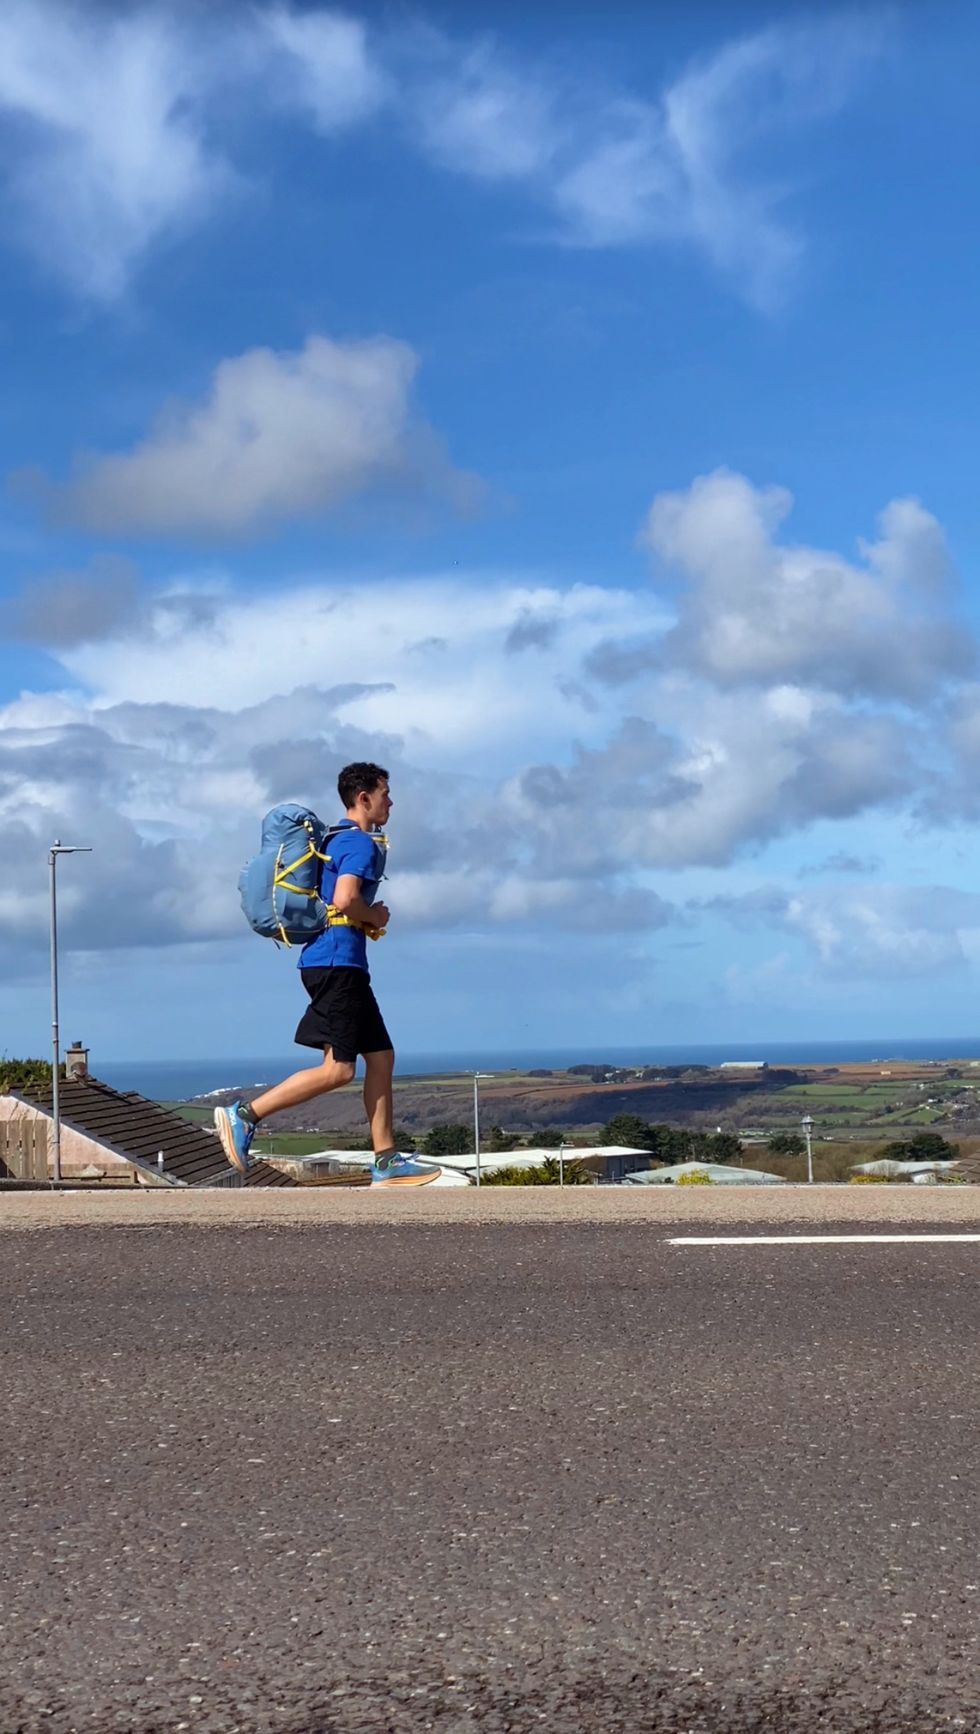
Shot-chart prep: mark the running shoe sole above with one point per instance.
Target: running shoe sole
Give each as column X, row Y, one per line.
column 222, row 1125
column 409, row 1179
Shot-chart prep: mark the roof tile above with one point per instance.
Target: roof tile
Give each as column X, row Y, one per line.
column 139, row 1130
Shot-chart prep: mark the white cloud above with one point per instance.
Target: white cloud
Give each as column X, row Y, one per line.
column 158, row 787
column 681, row 166
column 527, row 800
column 952, row 795
column 688, row 164
column 279, row 434
column 766, row 85
column 436, row 652
column 144, row 768
column 327, row 66
column 885, row 931
column 625, row 189
column 110, row 116
column 729, row 775
column 482, row 116
column 754, row 611
column 103, row 144
column 912, row 552
column 481, row 896
column 114, row 120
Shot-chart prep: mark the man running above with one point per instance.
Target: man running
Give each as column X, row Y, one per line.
column 343, row 1017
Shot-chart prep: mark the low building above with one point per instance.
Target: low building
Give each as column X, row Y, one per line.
column 609, row 1162
column 891, row 1170
column 109, row 1134
column 719, row 1173
column 349, row 1168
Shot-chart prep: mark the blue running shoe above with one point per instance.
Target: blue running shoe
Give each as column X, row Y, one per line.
column 399, row 1170
column 236, row 1136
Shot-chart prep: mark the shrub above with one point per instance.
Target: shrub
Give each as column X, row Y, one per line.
column 698, row 1178
column 786, row 1144
column 547, row 1174
column 921, row 1147
column 499, row 1140
column 446, row 1139
column 629, row 1130
column 22, row 1074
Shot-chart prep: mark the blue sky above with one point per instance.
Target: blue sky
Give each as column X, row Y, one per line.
column 579, row 424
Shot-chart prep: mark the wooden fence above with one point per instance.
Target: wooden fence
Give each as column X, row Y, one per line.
column 23, row 1150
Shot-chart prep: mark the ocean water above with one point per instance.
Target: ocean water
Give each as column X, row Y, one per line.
column 179, row 1080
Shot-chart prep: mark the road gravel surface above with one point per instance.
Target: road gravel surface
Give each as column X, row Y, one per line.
column 485, row 1462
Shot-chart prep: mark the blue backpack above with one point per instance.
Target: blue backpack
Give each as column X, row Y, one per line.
column 280, row 888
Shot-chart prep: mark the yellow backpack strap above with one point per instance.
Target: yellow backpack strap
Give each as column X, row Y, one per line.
column 334, row 918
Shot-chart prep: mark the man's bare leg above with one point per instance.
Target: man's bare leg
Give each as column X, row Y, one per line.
column 379, row 1104
column 236, row 1125
column 303, row 1086
column 390, row 1168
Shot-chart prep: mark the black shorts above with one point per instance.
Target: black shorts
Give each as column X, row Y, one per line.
column 343, row 1013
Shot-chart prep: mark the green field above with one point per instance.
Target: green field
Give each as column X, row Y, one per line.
column 851, row 1104
column 294, row 1144
column 270, row 1143
column 848, row 1094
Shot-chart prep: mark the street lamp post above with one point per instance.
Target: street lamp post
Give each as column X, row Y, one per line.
column 807, row 1129
column 476, row 1119
column 561, row 1163
column 57, row 848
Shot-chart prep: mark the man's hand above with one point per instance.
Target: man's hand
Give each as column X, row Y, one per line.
column 347, row 900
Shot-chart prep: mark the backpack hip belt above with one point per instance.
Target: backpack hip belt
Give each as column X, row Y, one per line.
column 335, row 920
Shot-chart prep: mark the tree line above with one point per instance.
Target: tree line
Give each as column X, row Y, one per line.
column 668, row 1144
column 671, row 1144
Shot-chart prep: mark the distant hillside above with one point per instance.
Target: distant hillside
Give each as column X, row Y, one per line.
column 524, row 1103
column 871, row 1101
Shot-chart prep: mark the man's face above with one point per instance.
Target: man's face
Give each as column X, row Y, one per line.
column 379, row 805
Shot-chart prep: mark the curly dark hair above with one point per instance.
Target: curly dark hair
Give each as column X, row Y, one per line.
column 359, row 779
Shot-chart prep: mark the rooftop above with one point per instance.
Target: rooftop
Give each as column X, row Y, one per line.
column 140, row 1131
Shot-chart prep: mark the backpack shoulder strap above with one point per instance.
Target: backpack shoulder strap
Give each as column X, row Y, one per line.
column 378, row 838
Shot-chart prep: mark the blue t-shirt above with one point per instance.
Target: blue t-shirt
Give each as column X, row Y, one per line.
column 351, row 851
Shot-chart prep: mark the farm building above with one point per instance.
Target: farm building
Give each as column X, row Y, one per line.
column 721, row 1173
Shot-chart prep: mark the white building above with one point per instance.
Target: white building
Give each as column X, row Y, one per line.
column 719, row 1173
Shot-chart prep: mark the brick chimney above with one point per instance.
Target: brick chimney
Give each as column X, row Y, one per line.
column 76, row 1061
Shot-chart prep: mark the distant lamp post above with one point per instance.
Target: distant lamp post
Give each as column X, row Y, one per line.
column 807, row 1129
column 561, row 1163
column 476, row 1118
column 57, row 848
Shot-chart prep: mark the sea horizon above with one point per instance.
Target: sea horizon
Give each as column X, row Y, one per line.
column 183, row 1080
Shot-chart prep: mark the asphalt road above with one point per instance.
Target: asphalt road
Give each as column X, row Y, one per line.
column 403, row 1477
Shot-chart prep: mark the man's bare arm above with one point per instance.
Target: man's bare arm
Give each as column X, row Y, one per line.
column 347, row 900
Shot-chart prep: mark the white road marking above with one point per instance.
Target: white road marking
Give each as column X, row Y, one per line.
column 816, row 1239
